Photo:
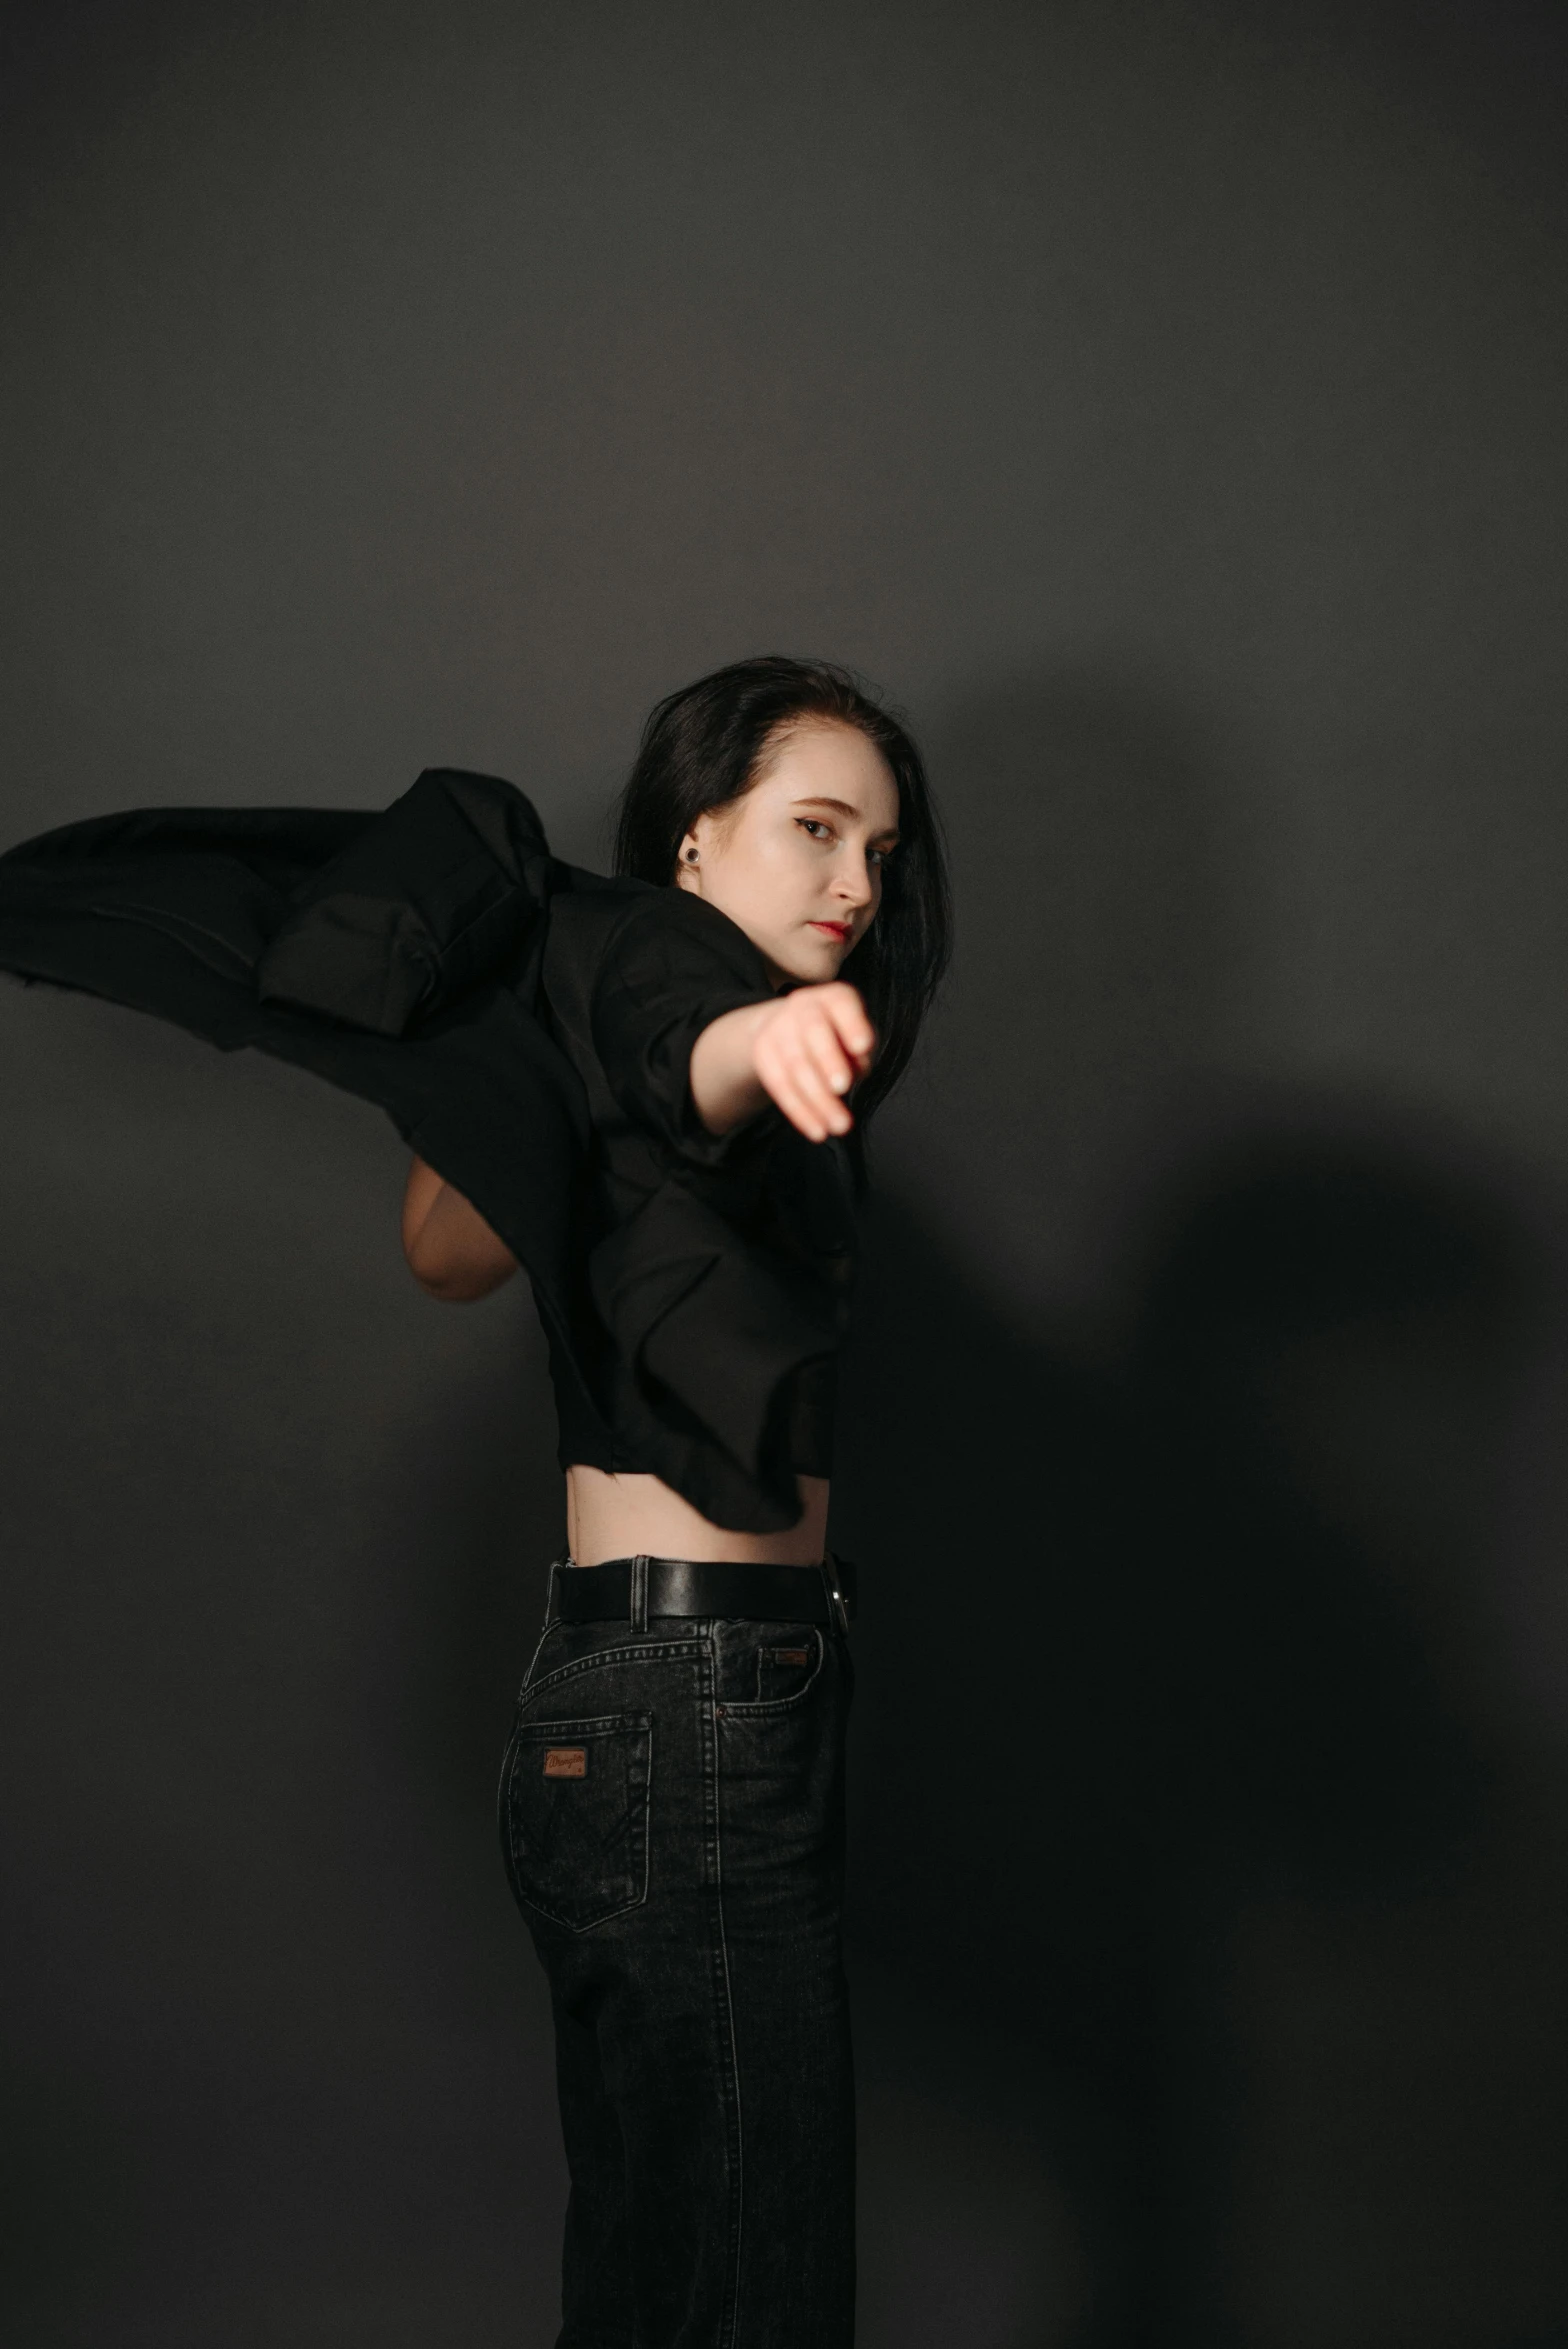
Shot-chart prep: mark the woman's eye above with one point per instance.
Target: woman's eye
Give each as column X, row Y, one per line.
column 815, row 826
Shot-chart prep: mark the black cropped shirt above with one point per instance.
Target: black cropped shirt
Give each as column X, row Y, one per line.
column 528, row 1026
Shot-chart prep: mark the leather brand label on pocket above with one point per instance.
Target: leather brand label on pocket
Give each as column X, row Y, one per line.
column 566, row 1761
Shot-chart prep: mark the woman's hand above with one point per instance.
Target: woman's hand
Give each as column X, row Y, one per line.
column 451, row 1250
column 803, row 1050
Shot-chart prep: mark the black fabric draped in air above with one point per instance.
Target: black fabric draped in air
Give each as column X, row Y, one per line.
column 527, row 1026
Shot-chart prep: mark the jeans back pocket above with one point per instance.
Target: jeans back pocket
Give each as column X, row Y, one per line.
column 574, row 1816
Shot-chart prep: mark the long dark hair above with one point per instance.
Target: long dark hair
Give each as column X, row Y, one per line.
column 700, row 749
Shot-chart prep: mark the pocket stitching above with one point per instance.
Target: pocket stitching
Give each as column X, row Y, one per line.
column 643, row 1723
column 755, row 1705
column 599, row 1721
column 655, row 1651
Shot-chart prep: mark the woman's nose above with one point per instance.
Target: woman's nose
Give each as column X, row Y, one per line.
column 854, row 882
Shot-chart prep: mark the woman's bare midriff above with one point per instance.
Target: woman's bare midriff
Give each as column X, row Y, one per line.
column 641, row 1516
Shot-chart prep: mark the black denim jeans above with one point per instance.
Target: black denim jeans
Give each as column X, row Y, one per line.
column 672, row 1813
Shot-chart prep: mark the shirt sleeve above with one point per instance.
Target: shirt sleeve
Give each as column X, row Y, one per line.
column 672, row 966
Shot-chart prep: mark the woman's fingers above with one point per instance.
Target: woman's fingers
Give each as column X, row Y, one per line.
column 825, row 1050
column 842, row 1005
column 822, row 1070
column 808, row 1055
column 793, row 1080
column 803, row 1062
column 797, row 1084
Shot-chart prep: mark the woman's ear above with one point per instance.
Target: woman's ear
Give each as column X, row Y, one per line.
column 688, row 864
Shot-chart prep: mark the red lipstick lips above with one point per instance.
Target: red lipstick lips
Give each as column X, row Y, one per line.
column 839, row 930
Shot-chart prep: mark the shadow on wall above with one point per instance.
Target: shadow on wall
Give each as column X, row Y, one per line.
column 1195, row 1760
column 1093, row 829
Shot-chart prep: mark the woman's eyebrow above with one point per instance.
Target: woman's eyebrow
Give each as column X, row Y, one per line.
column 841, row 807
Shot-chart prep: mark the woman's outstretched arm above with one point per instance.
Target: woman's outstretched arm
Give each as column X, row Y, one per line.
column 451, row 1250
column 803, row 1051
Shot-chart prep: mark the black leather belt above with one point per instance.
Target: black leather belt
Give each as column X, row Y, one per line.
column 630, row 1590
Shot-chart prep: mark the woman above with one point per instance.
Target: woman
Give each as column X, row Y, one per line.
column 650, row 1093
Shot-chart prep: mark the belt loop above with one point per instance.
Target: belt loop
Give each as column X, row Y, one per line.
column 639, row 1594
column 552, row 1606
column 836, row 1601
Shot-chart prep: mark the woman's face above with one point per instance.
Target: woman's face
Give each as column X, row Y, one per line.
column 796, row 861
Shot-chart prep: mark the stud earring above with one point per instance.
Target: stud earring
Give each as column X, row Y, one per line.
column 691, row 856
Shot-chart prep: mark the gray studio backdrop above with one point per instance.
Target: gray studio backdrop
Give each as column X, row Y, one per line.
column 1165, row 405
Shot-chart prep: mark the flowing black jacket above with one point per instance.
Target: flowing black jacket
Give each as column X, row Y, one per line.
column 528, row 1027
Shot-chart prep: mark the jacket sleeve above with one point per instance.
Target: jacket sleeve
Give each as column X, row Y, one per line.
column 672, row 966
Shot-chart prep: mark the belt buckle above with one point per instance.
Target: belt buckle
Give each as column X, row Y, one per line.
column 836, row 1599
